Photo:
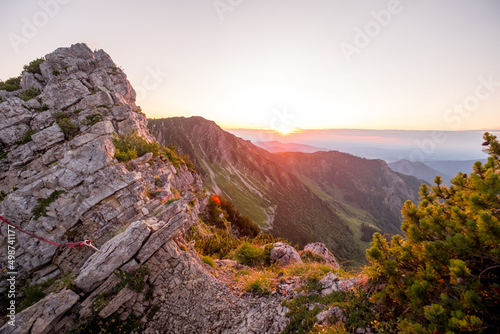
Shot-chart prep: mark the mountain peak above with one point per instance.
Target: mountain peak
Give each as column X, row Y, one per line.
column 79, row 167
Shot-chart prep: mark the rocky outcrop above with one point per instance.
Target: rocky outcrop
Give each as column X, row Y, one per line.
column 321, row 249
column 285, row 253
column 332, row 282
column 71, row 152
column 332, row 312
column 62, row 183
column 112, row 255
column 42, row 317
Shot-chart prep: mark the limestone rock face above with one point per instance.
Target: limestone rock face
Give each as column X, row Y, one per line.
column 43, row 316
column 112, row 255
column 321, row 249
column 48, row 137
column 285, row 253
column 84, row 99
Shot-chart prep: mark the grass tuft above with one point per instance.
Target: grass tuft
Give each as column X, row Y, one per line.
column 41, row 208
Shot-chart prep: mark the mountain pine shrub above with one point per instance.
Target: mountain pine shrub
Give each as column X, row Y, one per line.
column 130, row 146
column 34, row 66
column 444, row 276
column 29, row 94
column 11, row 84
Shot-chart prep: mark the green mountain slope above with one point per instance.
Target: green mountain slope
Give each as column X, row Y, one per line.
column 278, row 192
column 363, row 189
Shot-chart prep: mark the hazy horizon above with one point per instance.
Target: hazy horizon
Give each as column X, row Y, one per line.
column 389, row 145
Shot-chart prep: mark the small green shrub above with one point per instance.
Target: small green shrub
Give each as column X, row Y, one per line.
column 308, row 256
column 125, row 156
column 208, row 260
column 112, row 324
column 100, row 302
column 218, row 245
column 158, row 181
column 243, row 223
column 41, row 208
column 68, row 128
column 243, row 272
column 172, row 200
column 152, row 311
column 131, row 145
column 2, row 195
column 34, row 66
column 302, row 319
column 55, row 73
column 44, row 108
column 77, row 111
column 66, row 281
column 33, row 294
column 93, row 119
column 152, row 193
column 192, row 203
column 60, row 115
column 336, row 328
column 135, row 279
column 11, row 84
column 189, row 164
column 3, row 154
column 26, row 137
column 249, row 255
column 29, row 94
column 260, row 285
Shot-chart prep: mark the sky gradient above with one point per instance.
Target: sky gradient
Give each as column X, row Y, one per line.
column 411, row 65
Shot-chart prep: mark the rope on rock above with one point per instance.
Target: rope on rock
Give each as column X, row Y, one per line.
column 67, row 244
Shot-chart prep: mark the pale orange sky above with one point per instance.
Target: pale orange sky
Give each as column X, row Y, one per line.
column 284, row 64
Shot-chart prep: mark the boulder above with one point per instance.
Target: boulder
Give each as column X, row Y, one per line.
column 332, row 282
column 29, row 81
column 323, row 316
column 285, row 253
column 142, row 160
column 113, row 254
column 321, row 249
column 41, row 317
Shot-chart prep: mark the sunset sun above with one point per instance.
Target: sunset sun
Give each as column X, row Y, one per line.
column 286, row 130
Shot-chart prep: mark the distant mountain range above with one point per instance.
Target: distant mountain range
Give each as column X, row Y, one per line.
column 428, row 170
column 304, row 197
column 276, row 147
column 389, row 145
column 425, row 170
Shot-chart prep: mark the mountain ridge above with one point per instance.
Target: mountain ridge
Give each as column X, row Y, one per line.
column 251, row 179
column 206, row 142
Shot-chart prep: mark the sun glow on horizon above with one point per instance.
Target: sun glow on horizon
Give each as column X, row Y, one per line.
column 285, row 131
